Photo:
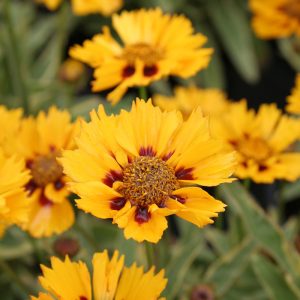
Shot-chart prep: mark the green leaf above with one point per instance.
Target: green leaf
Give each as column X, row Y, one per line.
column 273, row 280
column 291, row 191
column 227, row 269
column 240, row 294
column 291, row 229
column 84, row 107
column 23, row 248
column 232, row 24
column 217, row 239
column 288, row 48
column 180, row 263
column 267, row 234
column 39, row 34
column 213, row 76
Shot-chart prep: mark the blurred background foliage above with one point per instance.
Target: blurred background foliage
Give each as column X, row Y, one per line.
column 250, row 253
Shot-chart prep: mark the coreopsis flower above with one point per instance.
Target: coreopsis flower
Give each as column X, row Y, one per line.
column 293, row 105
column 85, row 7
column 40, row 141
column 67, row 280
column 153, row 45
column 275, row 18
column 212, row 101
column 9, row 124
column 263, row 141
column 140, row 166
column 14, row 206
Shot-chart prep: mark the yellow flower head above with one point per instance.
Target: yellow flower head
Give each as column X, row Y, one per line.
column 293, row 100
column 40, row 141
column 9, row 124
column 67, row 280
column 275, row 18
column 140, row 166
column 85, row 7
column 153, row 45
column 14, row 206
column 212, row 101
column 262, row 140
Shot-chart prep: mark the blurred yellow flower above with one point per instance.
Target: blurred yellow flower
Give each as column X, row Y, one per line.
column 153, row 45
column 40, row 141
column 275, row 18
column 293, row 101
column 141, row 166
column 14, row 206
column 67, row 280
column 262, row 140
column 50, row 4
column 212, row 101
column 85, row 7
column 104, row 7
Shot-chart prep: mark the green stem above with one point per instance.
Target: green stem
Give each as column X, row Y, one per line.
column 149, row 248
column 15, row 65
column 247, row 183
column 219, row 222
column 36, row 249
column 143, row 93
column 6, row 269
column 281, row 204
column 220, row 219
column 63, row 28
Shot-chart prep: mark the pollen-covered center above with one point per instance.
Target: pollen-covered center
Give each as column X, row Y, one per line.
column 148, row 54
column 46, row 169
column 292, row 8
column 148, row 180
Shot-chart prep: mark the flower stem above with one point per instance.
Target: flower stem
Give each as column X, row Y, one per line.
column 247, row 183
column 281, row 204
column 36, row 248
column 15, row 65
column 6, row 269
column 150, row 254
column 143, row 93
column 63, row 28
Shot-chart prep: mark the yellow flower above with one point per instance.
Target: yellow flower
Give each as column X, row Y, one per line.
column 104, row 7
column 85, row 7
column 275, row 18
column 50, row 4
column 14, row 206
column 154, row 45
column 212, row 101
column 262, row 140
column 141, row 166
column 40, row 141
column 293, row 100
column 67, row 280
column 9, row 124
